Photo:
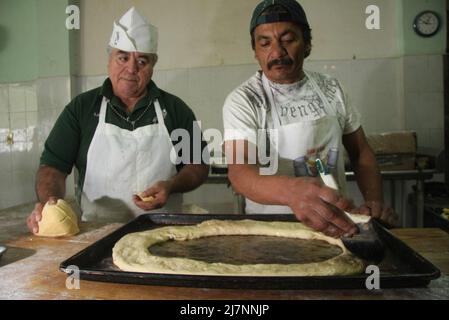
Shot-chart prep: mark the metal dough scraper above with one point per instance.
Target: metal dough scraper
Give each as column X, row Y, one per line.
column 366, row 244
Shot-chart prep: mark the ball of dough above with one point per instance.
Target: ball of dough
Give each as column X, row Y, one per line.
column 58, row 220
column 146, row 199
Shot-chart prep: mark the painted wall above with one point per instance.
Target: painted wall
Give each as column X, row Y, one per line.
column 34, row 87
column 199, row 33
column 414, row 44
column 34, row 41
column 18, row 47
column 192, row 33
column 340, row 32
column 52, row 38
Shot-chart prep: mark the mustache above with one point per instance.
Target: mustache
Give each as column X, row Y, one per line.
column 281, row 62
column 130, row 78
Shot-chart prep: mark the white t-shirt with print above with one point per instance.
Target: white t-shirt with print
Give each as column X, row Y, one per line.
column 247, row 110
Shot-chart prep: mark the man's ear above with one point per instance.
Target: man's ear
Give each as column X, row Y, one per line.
column 307, row 50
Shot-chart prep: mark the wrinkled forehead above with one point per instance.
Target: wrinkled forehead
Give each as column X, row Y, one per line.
column 279, row 28
column 136, row 54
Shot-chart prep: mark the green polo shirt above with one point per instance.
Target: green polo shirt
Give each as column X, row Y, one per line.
column 70, row 138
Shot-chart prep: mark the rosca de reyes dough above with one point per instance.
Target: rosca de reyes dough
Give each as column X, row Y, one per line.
column 58, row 220
column 131, row 253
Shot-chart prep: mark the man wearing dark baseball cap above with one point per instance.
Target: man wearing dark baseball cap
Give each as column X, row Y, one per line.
column 307, row 118
column 280, row 10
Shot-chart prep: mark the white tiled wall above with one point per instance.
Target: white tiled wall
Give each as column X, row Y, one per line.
column 391, row 94
column 424, row 99
column 27, row 113
column 16, row 169
column 373, row 87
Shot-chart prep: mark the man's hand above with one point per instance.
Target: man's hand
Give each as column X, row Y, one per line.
column 379, row 210
column 320, row 207
column 36, row 215
column 160, row 192
column 50, row 186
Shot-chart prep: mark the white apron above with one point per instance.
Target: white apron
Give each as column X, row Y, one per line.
column 121, row 163
column 310, row 139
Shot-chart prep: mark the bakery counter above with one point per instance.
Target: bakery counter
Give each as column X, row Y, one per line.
column 30, row 269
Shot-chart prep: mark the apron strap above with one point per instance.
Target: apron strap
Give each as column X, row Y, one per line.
column 103, row 108
column 320, row 93
column 269, row 93
column 160, row 117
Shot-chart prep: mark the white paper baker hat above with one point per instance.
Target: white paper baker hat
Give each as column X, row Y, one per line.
column 134, row 33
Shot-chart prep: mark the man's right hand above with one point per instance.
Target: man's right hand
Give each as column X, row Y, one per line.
column 320, row 207
column 36, row 215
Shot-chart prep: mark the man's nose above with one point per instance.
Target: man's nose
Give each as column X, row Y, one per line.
column 278, row 50
column 131, row 65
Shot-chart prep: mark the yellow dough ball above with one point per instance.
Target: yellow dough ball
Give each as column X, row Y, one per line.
column 58, row 220
column 146, row 199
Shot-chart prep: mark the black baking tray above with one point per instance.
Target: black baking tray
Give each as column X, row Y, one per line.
column 401, row 267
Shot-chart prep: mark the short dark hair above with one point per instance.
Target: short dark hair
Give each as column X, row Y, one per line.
column 279, row 9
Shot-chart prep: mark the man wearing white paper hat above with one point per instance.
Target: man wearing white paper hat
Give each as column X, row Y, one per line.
column 118, row 138
column 134, row 33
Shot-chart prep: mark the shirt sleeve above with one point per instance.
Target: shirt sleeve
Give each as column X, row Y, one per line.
column 351, row 117
column 239, row 118
column 62, row 144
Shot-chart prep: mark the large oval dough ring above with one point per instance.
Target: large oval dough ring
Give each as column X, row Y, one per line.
column 58, row 220
column 131, row 252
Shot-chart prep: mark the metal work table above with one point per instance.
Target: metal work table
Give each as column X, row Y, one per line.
column 400, row 176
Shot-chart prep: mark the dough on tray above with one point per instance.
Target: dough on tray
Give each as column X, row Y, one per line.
column 131, row 252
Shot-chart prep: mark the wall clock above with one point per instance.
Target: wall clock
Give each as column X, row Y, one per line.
column 427, row 23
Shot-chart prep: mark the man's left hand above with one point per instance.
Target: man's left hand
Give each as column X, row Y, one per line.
column 160, row 192
column 379, row 210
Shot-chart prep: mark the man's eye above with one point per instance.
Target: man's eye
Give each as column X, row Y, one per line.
column 122, row 58
column 264, row 44
column 142, row 62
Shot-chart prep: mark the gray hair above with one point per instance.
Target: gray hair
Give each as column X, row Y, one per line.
column 153, row 57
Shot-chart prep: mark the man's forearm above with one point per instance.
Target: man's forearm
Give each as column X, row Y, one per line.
column 189, row 178
column 364, row 164
column 247, row 181
column 50, row 182
column 368, row 178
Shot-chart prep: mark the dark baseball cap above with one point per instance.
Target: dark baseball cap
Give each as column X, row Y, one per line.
column 293, row 13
